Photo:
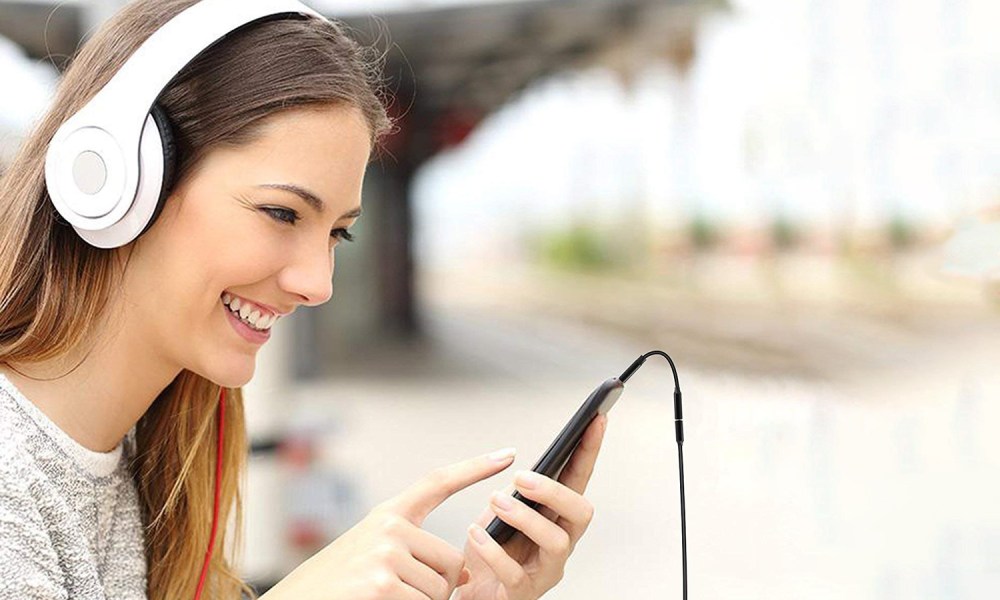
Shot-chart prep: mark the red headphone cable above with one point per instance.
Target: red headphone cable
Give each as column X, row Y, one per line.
column 218, row 484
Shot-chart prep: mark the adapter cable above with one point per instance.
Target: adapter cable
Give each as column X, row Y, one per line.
column 679, row 434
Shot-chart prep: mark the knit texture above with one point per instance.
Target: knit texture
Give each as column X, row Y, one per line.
column 70, row 524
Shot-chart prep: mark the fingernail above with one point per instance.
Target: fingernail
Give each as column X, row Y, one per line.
column 478, row 533
column 528, row 479
column 503, row 501
column 503, row 454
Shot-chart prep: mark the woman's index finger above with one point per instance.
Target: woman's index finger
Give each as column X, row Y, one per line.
column 418, row 500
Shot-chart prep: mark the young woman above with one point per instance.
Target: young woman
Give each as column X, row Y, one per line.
column 113, row 362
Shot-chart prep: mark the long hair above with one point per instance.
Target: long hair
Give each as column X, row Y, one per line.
column 55, row 288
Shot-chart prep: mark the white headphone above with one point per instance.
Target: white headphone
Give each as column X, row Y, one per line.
column 109, row 167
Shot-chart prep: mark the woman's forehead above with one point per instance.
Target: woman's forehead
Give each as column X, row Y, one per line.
column 322, row 151
column 299, row 134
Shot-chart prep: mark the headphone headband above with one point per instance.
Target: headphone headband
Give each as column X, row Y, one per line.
column 94, row 167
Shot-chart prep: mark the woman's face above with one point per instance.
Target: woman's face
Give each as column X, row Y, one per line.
column 228, row 232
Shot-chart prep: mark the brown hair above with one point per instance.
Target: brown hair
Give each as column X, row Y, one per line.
column 55, row 288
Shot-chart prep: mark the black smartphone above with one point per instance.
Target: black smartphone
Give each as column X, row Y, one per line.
column 554, row 459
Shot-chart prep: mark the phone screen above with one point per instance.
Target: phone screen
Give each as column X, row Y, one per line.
column 557, row 455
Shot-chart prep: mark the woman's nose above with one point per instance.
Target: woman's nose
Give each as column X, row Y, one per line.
column 310, row 276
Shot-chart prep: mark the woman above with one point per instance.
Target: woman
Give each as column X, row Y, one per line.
column 112, row 361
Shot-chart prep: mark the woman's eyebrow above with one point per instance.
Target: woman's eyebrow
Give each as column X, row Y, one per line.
column 309, row 198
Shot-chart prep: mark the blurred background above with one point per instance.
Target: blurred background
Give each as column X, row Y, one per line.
column 796, row 200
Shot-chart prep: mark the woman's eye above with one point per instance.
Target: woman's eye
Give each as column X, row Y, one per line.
column 290, row 216
column 342, row 234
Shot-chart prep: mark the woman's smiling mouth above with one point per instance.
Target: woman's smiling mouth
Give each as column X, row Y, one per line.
column 251, row 321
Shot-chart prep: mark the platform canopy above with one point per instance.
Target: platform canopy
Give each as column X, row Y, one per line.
column 470, row 54
column 479, row 55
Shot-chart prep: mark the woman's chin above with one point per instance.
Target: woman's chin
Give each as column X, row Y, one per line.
column 233, row 374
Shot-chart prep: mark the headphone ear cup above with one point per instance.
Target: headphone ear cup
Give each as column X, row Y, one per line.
column 169, row 160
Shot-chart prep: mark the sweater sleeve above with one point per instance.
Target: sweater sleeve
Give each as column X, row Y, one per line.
column 29, row 565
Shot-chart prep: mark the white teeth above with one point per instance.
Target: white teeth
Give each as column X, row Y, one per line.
column 249, row 313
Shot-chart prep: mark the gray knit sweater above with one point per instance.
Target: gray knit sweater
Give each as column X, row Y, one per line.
column 69, row 517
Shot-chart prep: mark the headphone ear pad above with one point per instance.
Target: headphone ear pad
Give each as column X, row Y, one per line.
column 169, row 159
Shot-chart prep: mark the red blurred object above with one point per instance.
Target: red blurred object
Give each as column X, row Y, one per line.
column 306, row 535
column 452, row 127
column 297, row 452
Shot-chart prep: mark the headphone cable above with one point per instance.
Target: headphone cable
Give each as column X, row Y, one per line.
column 218, row 484
column 679, row 435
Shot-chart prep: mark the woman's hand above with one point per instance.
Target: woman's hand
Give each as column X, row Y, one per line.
column 526, row 566
column 387, row 556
